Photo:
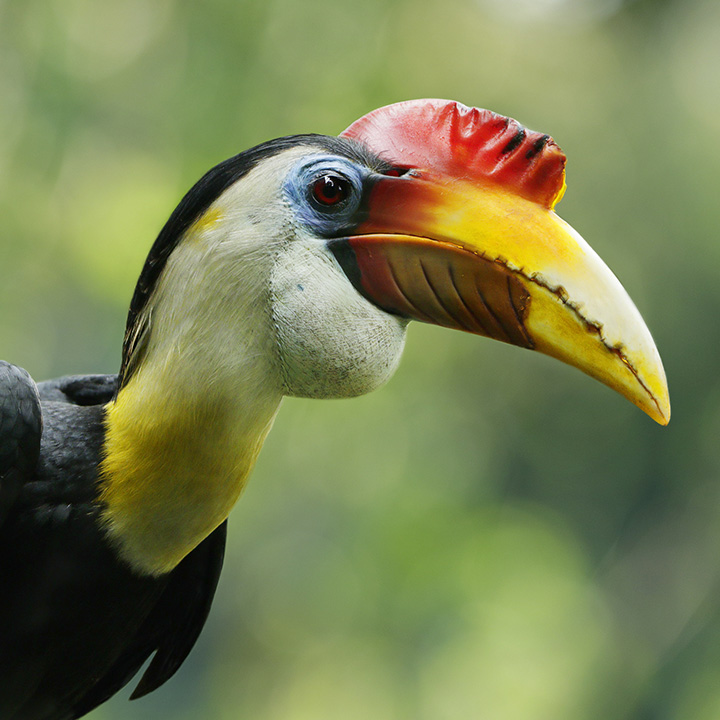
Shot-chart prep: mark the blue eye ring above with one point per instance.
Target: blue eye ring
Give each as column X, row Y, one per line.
column 327, row 193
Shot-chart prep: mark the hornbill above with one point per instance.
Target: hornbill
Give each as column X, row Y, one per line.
column 291, row 269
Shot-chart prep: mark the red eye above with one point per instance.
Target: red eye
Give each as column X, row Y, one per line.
column 330, row 189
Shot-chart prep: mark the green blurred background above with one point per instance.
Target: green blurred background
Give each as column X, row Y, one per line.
column 492, row 535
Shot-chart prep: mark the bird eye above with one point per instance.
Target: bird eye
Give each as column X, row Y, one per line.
column 330, row 189
column 326, row 192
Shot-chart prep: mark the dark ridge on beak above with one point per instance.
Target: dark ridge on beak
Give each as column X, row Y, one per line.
column 514, row 142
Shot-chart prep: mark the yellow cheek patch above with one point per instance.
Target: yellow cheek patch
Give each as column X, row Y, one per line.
column 205, row 222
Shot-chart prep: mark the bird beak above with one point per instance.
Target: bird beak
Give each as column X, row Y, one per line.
column 443, row 246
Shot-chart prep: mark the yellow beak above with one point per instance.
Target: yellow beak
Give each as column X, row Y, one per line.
column 476, row 256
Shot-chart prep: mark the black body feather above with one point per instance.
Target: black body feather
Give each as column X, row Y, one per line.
column 76, row 623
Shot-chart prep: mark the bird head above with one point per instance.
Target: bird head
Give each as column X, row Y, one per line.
column 320, row 250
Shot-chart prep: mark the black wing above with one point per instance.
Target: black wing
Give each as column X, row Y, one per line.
column 174, row 625
column 182, row 611
column 20, row 431
column 170, row 630
column 76, row 623
column 79, row 389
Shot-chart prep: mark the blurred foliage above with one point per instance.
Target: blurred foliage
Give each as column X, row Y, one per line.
column 492, row 535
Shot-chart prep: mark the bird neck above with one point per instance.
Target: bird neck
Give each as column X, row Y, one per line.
column 177, row 456
column 186, row 428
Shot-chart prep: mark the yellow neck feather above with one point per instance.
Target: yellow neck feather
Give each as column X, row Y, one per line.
column 174, row 466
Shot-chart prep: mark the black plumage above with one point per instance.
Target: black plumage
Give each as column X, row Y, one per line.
column 75, row 623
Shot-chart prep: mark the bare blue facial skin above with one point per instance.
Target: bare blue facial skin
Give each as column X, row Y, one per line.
column 304, row 186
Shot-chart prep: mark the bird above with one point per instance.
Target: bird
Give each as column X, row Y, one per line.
column 291, row 269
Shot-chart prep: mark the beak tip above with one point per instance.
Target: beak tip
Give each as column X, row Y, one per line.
column 662, row 410
column 661, row 415
column 655, row 399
